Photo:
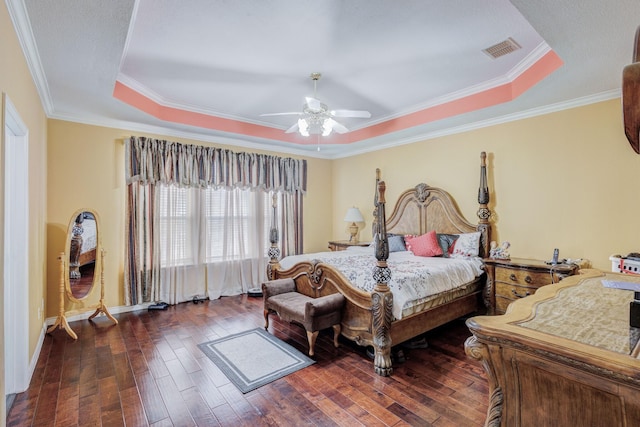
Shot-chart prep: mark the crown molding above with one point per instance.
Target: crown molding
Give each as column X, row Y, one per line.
column 20, row 19
column 547, row 109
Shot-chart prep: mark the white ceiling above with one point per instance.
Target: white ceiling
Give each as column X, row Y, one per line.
column 416, row 65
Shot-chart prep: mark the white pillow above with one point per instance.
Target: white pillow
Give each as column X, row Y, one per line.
column 467, row 245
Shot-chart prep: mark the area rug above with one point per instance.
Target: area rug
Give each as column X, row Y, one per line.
column 254, row 358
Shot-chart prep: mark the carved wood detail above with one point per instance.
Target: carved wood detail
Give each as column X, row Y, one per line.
column 535, row 358
column 367, row 316
column 480, row 352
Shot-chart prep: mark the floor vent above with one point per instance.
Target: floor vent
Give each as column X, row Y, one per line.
column 502, row 48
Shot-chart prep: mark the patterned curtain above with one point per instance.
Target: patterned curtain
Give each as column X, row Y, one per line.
column 152, row 163
column 291, row 224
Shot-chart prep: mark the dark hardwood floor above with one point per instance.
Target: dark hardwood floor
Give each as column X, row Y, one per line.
column 148, row 370
column 81, row 287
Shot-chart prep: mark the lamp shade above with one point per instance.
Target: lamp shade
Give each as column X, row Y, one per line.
column 353, row 215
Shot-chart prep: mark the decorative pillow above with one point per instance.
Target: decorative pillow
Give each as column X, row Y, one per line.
column 467, row 245
column 396, row 243
column 447, row 241
column 425, row 245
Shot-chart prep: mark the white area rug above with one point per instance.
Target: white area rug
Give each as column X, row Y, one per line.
column 254, row 358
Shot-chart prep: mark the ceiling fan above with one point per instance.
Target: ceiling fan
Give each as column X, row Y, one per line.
column 316, row 118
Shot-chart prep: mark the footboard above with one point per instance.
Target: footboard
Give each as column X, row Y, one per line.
column 317, row 279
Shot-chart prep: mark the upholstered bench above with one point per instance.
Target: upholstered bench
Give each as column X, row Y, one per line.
column 314, row 314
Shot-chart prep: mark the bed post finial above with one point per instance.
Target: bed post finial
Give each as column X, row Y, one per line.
column 483, row 191
column 381, row 297
column 374, row 224
column 274, row 250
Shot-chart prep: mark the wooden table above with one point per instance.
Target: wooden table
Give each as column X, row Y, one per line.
column 515, row 278
column 341, row 245
column 562, row 357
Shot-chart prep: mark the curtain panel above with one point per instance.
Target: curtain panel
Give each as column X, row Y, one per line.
column 154, row 166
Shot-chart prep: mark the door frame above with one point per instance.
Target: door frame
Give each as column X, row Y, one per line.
column 15, row 249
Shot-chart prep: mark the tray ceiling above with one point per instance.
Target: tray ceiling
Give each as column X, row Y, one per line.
column 209, row 69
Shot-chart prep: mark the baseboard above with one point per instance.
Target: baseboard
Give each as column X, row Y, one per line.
column 36, row 352
column 72, row 317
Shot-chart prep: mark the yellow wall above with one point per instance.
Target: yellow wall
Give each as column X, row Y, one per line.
column 86, row 171
column 16, row 83
column 566, row 180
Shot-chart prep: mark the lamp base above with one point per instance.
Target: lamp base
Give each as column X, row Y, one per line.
column 353, row 229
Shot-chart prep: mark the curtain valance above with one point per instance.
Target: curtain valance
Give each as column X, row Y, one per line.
column 151, row 161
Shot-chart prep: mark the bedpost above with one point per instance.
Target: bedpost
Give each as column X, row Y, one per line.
column 484, row 213
column 274, row 250
column 381, row 297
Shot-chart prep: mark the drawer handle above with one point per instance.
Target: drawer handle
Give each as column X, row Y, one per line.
column 517, row 295
column 528, row 279
column 513, row 277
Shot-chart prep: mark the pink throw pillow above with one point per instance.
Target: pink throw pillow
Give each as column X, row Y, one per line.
column 425, row 245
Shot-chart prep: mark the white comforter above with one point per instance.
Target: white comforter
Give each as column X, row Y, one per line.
column 89, row 235
column 413, row 278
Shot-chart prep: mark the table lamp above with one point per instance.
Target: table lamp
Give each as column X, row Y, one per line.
column 353, row 216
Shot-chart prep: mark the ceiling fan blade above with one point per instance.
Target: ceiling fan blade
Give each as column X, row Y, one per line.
column 313, row 104
column 350, row 113
column 338, row 127
column 293, row 128
column 281, row 114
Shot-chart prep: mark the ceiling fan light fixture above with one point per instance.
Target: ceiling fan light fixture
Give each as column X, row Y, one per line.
column 316, row 118
column 303, row 127
column 326, row 127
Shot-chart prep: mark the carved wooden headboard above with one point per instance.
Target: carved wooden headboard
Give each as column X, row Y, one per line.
column 424, row 208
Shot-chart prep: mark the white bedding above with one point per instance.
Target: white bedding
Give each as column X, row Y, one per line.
column 89, row 235
column 413, row 278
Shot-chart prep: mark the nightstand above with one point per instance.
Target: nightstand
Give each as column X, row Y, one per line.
column 341, row 245
column 509, row 280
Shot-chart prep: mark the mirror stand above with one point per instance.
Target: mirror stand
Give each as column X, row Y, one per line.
column 101, row 307
column 62, row 319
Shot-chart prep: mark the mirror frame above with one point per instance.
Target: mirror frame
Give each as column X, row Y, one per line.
column 67, row 254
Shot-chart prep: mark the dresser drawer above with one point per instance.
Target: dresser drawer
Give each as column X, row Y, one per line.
column 506, row 293
column 514, row 292
column 523, row 277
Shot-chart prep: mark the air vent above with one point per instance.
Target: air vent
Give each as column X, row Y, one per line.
column 502, row 48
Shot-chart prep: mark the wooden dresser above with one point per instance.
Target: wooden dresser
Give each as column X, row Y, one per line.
column 510, row 280
column 341, row 245
column 563, row 357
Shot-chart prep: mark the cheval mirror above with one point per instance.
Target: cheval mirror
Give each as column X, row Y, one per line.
column 81, row 267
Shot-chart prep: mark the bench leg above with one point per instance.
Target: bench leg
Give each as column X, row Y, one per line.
column 266, row 320
column 311, row 336
column 336, row 334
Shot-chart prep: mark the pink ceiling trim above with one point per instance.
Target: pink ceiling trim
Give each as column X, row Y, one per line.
column 130, row 96
column 494, row 96
column 497, row 95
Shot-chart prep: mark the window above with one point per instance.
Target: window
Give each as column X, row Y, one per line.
column 210, row 225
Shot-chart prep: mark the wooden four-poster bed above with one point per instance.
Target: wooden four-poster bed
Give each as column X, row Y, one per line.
column 369, row 317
